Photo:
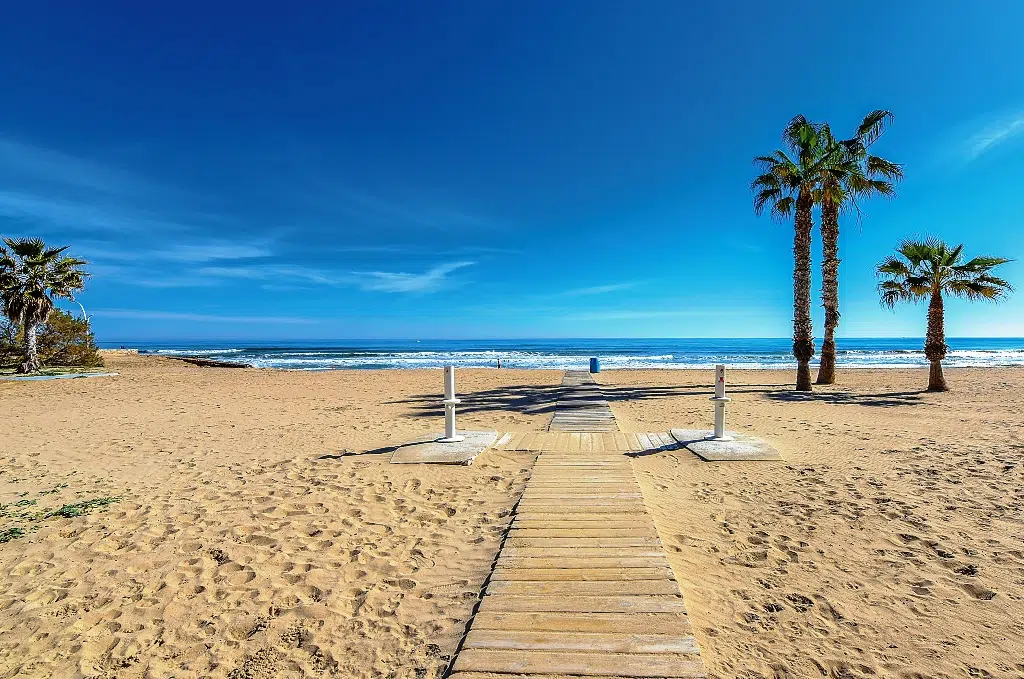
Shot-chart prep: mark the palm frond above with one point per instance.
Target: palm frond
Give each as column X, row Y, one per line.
column 783, row 207
column 876, row 166
column 980, row 264
column 873, row 125
column 975, row 290
column 892, row 292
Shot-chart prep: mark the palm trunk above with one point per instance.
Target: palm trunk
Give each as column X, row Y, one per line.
column 829, row 289
column 935, row 343
column 803, row 335
column 31, row 362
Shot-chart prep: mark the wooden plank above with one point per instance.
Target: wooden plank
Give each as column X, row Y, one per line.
column 542, row 495
column 511, row 552
column 590, row 664
column 615, row 491
column 574, row 443
column 583, row 482
column 610, row 519
column 644, row 441
column 585, row 504
column 581, row 574
column 632, row 508
column 550, row 443
column 561, row 532
column 585, row 604
column 526, row 442
column 667, row 441
column 582, row 641
column 582, row 562
column 643, row 623
column 582, row 587
column 621, row 442
column 576, row 542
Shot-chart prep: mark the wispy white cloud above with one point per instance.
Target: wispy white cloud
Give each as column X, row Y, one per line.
column 34, row 164
column 599, row 289
column 428, row 281
column 192, row 253
column 140, row 314
column 394, row 209
column 994, row 134
column 145, row 233
column 208, row 252
column 51, row 210
column 275, row 272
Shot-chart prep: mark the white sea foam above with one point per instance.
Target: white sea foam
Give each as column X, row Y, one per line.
column 735, row 355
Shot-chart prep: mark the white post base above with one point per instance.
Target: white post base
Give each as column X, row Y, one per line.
column 719, row 433
column 450, row 434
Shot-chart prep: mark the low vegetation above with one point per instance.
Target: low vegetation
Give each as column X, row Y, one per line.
column 64, row 341
column 26, row 513
column 32, row 276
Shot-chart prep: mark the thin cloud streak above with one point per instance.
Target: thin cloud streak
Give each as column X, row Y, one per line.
column 429, row 281
column 36, row 164
column 599, row 289
column 140, row 314
column 993, row 135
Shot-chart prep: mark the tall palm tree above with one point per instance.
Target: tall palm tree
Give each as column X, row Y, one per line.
column 929, row 269
column 785, row 185
column 31, row 277
column 854, row 173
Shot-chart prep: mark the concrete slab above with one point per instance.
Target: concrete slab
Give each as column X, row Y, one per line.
column 427, row 449
column 742, row 448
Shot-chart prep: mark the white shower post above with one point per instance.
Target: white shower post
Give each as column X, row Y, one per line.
column 450, row 435
column 720, row 399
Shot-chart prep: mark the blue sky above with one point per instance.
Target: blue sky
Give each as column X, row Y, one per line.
column 493, row 169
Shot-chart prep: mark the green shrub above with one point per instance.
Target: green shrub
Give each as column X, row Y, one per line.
column 9, row 350
column 63, row 341
column 68, row 341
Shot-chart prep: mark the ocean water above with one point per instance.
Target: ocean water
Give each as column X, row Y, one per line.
column 575, row 353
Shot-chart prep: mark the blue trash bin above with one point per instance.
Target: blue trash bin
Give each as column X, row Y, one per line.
column 595, row 365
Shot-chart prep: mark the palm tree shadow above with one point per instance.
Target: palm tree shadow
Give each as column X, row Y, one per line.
column 536, row 400
column 885, row 400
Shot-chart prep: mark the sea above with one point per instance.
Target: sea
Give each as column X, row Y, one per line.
column 674, row 354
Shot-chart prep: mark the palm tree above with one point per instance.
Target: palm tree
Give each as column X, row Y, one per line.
column 31, row 277
column 929, row 269
column 852, row 173
column 786, row 185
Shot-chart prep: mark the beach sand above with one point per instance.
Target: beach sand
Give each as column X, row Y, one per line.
column 243, row 546
column 890, row 543
column 246, row 544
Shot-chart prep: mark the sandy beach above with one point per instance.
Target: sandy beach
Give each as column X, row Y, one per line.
column 243, row 538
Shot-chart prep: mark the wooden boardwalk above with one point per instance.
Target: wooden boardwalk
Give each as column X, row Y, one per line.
column 581, row 586
column 586, row 442
column 584, row 408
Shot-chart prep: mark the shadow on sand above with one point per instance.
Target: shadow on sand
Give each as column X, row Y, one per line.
column 535, row 400
column 887, row 400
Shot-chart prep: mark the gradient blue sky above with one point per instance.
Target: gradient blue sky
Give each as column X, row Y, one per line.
column 491, row 169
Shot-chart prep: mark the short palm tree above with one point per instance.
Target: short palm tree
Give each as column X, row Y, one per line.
column 786, row 185
column 929, row 269
column 31, row 277
column 852, row 173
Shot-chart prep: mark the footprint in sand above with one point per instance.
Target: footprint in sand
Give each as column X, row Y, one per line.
column 978, row 592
